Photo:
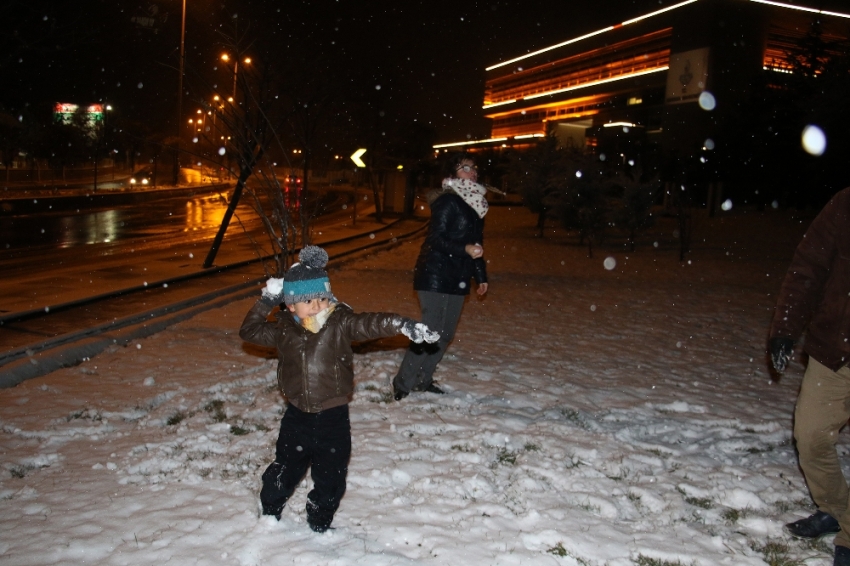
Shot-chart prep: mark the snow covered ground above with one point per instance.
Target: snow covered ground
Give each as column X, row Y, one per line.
column 594, row 417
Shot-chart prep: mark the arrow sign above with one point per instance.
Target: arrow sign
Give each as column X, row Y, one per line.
column 355, row 157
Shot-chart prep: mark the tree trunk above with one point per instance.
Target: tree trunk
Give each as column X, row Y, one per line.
column 375, row 195
column 306, row 238
column 246, row 171
column 541, row 222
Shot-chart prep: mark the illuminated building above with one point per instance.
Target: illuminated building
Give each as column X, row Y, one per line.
column 667, row 78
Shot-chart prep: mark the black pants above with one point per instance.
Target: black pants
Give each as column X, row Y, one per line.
column 321, row 441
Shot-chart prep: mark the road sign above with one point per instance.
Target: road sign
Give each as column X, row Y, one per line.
column 355, row 157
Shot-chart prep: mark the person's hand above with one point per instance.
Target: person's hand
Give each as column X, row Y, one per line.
column 482, row 289
column 781, row 348
column 474, row 250
column 419, row 332
column 272, row 294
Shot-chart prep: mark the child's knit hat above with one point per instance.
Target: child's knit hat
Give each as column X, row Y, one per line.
column 308, row 279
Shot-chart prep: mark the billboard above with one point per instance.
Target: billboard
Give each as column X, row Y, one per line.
column 687, row 76
column 63, row 112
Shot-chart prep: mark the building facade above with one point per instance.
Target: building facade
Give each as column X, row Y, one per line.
column 667, row 79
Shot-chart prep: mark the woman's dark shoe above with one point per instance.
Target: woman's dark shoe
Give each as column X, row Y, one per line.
column 398, row 394
column 432, row 388
column 815, row 526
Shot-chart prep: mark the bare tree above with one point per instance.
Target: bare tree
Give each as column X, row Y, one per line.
column 251, row 123
column 311, row 101
column 634, row 212
column 271, row 113
column 11, row 140
column 540, row 174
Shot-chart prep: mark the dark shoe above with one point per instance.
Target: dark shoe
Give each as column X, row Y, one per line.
column 318, row 527
column 319, row 520
column 432, row 388
column 275, row 512
column 398, row 394
column 842, row 556
column 814, row 526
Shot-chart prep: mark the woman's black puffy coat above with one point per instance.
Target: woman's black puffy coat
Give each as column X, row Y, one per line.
column 443, row 265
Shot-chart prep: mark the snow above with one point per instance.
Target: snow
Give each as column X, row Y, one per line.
column 594, row 416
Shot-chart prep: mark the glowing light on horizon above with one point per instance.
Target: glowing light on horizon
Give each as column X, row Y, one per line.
column 656, row 13
column 511, row 101
column 545, row 49
column 588, row 35
column 599, row 82
column 801, row 8
column 456, row 144
column 582, row 85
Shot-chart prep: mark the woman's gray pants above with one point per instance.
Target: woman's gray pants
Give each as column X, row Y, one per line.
column 440, row 312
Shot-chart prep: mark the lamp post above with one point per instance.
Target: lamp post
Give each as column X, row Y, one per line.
column 106, row 110
column 201, row 121
column 225, row 57
column 180, row 95
column 215, row 109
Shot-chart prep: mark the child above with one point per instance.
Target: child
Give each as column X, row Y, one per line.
column 315, row 373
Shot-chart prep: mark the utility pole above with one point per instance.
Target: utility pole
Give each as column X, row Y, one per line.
column 180, row 96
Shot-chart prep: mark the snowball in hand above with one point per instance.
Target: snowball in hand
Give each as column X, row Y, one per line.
column 419, row 332
column 273, row 288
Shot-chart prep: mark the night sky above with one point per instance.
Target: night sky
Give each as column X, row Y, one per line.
column 428, row 58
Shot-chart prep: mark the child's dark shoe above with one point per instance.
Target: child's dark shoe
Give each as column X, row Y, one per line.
column 319, row 527
column 319, row 520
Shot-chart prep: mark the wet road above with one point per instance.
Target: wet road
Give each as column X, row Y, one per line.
column 145, row 224
column 50, row 259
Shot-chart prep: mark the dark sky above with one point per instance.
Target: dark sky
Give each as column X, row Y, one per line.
column 427, row 57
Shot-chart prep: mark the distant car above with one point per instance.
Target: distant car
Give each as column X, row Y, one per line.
column 142, row 177
column 291, row 191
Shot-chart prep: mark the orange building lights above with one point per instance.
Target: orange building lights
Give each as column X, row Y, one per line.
column 648, row 71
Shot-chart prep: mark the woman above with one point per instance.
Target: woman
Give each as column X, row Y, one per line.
column 451, row 255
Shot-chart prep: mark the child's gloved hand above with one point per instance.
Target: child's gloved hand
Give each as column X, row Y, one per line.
column 273, row 292
column 418, row 332
column 781, row 349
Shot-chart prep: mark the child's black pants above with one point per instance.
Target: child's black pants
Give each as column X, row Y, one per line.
column 321, row 441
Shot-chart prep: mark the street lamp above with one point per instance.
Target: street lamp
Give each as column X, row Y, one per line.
column 180, row 95
column 225, row 57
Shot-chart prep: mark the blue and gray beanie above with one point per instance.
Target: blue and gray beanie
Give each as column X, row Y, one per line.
column 308, row 279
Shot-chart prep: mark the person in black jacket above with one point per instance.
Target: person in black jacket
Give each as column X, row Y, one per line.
column 451, row 256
